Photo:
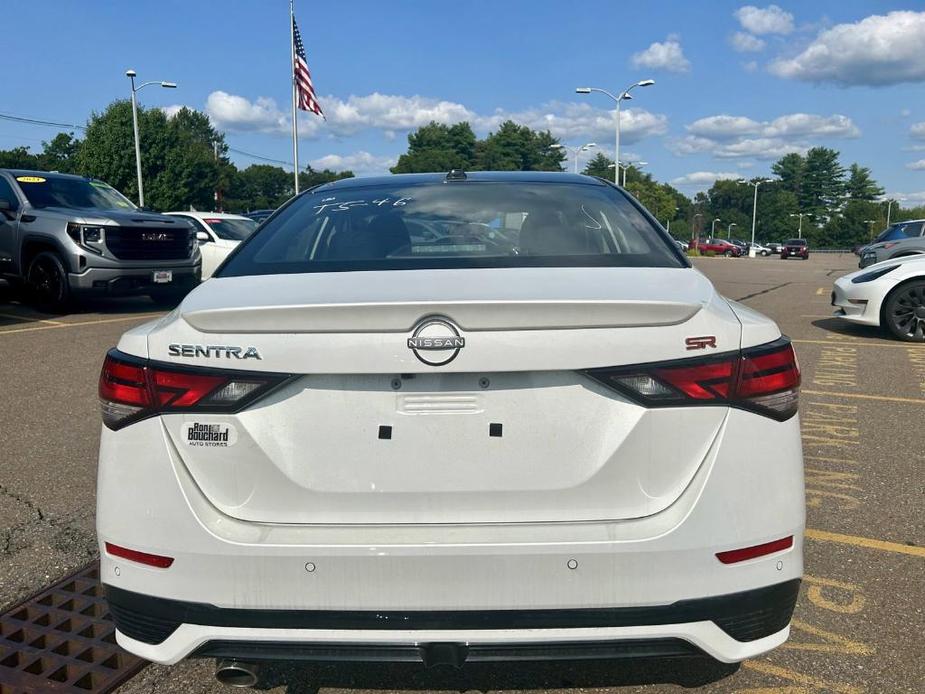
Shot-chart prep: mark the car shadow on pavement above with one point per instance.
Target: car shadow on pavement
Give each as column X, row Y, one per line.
column 836, row 325
column 14, row 310
column 687, row 672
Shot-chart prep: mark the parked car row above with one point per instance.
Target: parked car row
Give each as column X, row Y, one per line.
column 63, row 237
column 736, row 248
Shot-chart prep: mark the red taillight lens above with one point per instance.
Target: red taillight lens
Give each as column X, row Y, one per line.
column 155, row 560
column 708, row 381
column 132, row 389
column 763, row 379
column 734, row 556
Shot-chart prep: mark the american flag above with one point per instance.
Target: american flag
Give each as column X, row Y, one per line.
column 307, row 100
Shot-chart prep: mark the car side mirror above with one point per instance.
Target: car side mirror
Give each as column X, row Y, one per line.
column 202, row 237
column 6, row 209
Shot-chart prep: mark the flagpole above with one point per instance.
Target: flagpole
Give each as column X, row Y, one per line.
column 295, row 124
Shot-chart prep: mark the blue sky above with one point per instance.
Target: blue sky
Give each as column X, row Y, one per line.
column 737, row 84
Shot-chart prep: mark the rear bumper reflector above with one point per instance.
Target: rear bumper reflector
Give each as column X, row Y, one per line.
column 734, row 556
column 154, row 560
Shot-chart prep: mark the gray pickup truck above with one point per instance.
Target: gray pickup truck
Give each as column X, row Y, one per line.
column 63, row 237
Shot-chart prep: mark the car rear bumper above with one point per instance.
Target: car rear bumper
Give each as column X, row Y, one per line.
column 745, row 493
column 727, row 627
column 125, row 281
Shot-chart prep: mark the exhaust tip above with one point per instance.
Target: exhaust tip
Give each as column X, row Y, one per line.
column 236, row 673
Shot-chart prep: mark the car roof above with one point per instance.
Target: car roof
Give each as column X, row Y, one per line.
column 906, row 221
column 476, row 176
column 208, row 215
column 44, row 174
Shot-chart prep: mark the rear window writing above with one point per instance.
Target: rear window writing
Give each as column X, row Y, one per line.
column 453, row 225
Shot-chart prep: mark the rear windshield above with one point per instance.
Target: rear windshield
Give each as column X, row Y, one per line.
column 455, row 225
column 897, row 232
column 796, row 242
column 231, row 229
column 80, row 193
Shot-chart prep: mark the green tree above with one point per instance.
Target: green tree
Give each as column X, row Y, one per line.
column 823, row 184
column 516, row 147
column 600, row 166
column 259, row 187
column 310, row 177
column 436, row 147
column 18, row 158
column 60, row 154
column 789, row 169
column 861, row 185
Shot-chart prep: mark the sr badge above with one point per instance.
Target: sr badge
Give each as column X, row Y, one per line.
column 436, row 341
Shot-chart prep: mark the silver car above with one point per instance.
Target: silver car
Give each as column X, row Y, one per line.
column 897, row 240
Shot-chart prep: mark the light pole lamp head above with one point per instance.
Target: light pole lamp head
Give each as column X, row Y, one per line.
column 645, row 83
column 583, row 90
column 130, row 73
column 556, row 146
column 169, row 85
column 588, row 146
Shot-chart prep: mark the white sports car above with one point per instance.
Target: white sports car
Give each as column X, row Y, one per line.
column 536, row 432
column 890, row 294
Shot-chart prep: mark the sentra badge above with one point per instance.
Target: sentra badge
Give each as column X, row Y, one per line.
column 213, row 352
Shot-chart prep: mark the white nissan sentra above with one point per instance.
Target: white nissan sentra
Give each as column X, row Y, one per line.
column 446, row 418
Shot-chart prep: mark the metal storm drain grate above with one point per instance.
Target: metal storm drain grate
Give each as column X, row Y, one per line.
column 61, row 640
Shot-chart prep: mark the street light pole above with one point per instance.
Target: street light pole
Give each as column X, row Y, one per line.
column 625, row 94
column 729, row 229
column 131, row 74
column 575, row 151
column 800, row 227
column 713, row 227
column 638, row 165
column 694, row 224
column 757, row 182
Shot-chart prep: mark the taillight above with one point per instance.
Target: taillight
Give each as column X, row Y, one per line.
column 763, row 379
column 132, row 389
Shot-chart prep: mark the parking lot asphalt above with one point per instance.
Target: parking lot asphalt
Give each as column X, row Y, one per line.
column 861, row 614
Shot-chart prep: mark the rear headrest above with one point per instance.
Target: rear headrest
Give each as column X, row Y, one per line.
column 550, row 234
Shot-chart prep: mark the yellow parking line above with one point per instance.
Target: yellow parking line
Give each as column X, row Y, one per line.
column 819, row 291
column 867, row 542
column 151, row 316
column 840, row 343
column 26, row 319
column 862, row 396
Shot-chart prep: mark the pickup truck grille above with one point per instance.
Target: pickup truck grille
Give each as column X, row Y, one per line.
column 146, row 243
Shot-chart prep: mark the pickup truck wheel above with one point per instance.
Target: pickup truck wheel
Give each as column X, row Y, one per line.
column 168, row 298
column 46, row 284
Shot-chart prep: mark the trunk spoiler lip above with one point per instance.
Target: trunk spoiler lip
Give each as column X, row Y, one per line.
column 470, row 316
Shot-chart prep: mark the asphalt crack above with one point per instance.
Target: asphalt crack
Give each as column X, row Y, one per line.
column 763, row 291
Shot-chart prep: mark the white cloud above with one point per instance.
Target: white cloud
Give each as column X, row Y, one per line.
column 237, row 114
column 876, row 51
column 172, row 110
column 750, row 66
column 722, row 127
column 746, row 43
column 916, row 165
column 361, row 162
column 571, row 120
column 704, row 178
column 390, row 112
column 667, row 55
column 770, row 20
column 728, row 137
column 917, row 131
column 397, row 114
